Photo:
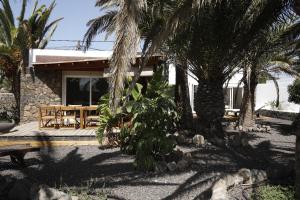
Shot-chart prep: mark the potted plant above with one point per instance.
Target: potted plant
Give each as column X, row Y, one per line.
column 7, row 121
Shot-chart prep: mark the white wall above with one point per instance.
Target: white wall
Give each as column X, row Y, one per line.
column 266, row 93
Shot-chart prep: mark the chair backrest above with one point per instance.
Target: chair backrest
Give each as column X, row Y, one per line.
column 48, row 110
column 67, row 108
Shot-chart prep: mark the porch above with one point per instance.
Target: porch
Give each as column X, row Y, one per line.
column 29, row 133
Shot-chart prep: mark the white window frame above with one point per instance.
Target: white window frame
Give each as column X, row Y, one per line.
column 78, row 74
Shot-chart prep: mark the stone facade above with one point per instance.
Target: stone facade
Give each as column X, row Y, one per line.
column 39, row 88
column 7, row 101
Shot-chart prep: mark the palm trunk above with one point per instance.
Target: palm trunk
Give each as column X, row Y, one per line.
column 209, row 106
column 182, row 96
column 247, row 116
column 16, row 92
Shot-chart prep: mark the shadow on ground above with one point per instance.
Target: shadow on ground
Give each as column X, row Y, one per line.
column 110, row 169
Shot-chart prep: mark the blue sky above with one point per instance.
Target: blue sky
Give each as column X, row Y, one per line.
column 76, row 14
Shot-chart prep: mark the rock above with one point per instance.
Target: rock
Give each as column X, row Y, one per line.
column 219, row 188
column 188, row 141
column 258, row 176
column 244, row 142
column 235, row 140
column 44, row 192
column 240, row 128
column 161, row 166
column 174, row 156
column 182, row 164
column 180, row 139
column 185, row 133
column 20, row 190
column 176, row 134
column 268, row 128
column 198, row 140
column 172, row 166
column 187, row 156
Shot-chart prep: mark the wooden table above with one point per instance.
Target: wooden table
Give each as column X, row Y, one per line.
column 81, row 109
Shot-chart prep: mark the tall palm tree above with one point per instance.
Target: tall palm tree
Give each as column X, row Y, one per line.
column 152, row 20
column 215, row 42
column 16, row 40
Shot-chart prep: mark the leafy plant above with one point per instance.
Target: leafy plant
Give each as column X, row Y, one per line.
column 294, row 92
column 270, row 192
column 145, row 122
column 8, row 115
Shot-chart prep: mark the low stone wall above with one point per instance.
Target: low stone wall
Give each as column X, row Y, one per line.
column 7, row 101
column 278, row 114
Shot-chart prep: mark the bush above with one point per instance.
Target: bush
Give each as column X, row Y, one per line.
column 146, row 120
column 269, row 192
column 294, row 92
column 8, row 115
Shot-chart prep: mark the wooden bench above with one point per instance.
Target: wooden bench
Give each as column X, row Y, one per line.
column 17, row 153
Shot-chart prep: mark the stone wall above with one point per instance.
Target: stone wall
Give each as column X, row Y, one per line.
column 7, row 101
column 39, row 88
column 278, row 114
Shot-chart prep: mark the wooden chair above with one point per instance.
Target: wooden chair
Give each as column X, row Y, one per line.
column 91, row 115
column 68, row 114
column 47, row 116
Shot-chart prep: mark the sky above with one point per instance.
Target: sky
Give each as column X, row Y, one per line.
column 76, row 14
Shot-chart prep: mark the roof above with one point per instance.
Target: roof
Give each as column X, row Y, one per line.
column 76, row 60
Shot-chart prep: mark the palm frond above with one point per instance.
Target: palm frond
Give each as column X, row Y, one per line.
column 125, row 47
column 22, row 13
column 8, row 12
column 98, row 25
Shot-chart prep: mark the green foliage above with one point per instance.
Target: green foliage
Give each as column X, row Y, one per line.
column 8, row 115
column 146, row 120
column 269, row 192
column 294, row 92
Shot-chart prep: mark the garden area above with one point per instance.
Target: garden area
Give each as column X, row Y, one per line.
column 151, row 143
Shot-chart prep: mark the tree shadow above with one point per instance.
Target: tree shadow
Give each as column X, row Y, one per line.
column 75, row 167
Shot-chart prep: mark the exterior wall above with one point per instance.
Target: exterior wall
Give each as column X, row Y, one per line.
column 39, row 88
column 266, row 93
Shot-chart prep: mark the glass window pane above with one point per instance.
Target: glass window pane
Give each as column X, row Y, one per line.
column 78, row 91
column 99, row 88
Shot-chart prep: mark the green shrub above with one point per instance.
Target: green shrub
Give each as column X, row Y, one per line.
column 146, row 121
column 278, row 192
column 294, row 92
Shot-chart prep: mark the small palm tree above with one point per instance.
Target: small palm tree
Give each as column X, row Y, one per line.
column 16, row 40
column 271, row 55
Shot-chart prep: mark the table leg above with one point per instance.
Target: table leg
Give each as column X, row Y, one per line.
column 81, row 119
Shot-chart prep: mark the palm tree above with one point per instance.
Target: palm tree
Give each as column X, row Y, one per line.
column 152, row 20
column 16, row 40
column 270, row 56
column 215, row 43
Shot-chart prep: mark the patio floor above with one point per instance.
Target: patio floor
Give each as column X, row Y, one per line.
column 32, row 132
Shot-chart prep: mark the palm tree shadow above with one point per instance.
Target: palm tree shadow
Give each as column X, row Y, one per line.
column 74, row 167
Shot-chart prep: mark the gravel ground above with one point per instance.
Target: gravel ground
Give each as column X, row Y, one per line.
column 113, row 172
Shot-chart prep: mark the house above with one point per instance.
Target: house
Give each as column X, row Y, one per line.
column 67, row 77
column 70, row 77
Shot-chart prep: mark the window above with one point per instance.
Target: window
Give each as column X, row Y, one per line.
column 84, row 90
